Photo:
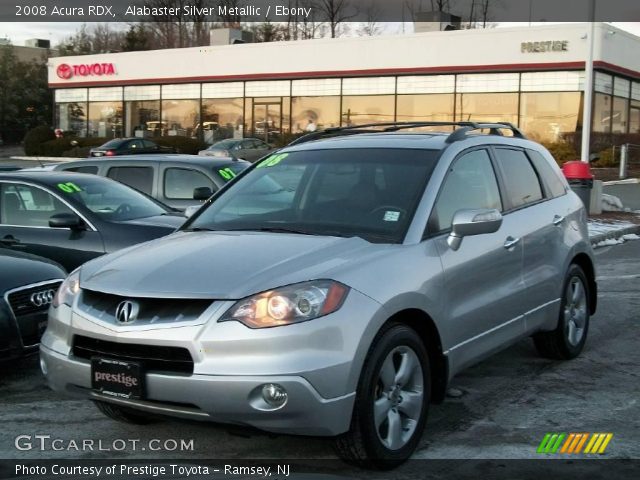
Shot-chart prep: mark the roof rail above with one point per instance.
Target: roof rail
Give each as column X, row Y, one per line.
column 459, row 134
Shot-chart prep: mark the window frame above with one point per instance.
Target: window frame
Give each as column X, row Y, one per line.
column 88, row 224
column 214, row 187
column 507, row 204
column 154, row 176
column 501, row 193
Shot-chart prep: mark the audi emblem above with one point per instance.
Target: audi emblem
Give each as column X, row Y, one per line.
column 40, row 299
column 127, row 311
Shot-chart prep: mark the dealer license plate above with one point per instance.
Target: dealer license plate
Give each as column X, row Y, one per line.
column 117, row 378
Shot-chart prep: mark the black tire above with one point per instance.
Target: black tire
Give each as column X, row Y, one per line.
column 123, row 414
column 362, row 444
column 558, row 344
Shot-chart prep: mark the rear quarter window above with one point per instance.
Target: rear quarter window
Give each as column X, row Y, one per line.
column 521, row 180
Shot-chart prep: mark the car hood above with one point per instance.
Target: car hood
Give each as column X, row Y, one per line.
column 219, row 265
column 170, row 220
column 20, row 269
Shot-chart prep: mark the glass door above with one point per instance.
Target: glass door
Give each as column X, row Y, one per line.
column 267, row 121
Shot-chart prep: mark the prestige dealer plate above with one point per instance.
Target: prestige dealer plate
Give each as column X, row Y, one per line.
column 117, row 378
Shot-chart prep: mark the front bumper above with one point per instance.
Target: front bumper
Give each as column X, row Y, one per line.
column 317, row 362
column 222, row 399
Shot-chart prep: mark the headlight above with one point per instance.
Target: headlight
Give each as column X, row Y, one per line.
column 290, row 304
column 68, row 290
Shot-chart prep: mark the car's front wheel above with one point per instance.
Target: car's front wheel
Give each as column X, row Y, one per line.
column 391, row 401
column 568, row 339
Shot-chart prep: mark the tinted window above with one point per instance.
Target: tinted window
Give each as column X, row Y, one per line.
column 179, row 183
column 92, row 169
column 148, row 144
column 470, row 183
column 28, row 206
column 140, row 178
column 113, row 143
column 223, row 145
column 523, row 185
column 135, row 144
column 551, row 179
column 371, row 193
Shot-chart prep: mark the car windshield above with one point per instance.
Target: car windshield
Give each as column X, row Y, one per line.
column 369, row 193
column 109, row 200
column 223, row 145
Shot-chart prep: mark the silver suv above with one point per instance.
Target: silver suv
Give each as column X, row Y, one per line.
column 335, row 288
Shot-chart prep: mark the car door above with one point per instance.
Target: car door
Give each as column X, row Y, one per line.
column 540, row 226
column 25, row 210
column 484, row 285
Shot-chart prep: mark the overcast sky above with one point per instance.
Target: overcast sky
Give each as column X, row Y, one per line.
column 58, row 31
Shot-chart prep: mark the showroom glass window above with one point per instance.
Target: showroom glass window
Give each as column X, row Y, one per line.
column 105, row 112
column 602, row 102
column 71, row 111
column 368, row 100
column 267, row 109
column 551, row 104
column 180, row 110
column 425, row 98
column 315, row 104
column 634, row 113
column 222, row 111
column 142, row 111
column 620, row 106
column 487, row 97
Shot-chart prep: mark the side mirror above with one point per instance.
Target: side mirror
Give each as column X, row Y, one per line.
column 189, row 211
column 66, row 220
column 470, row 222
column 202, row 193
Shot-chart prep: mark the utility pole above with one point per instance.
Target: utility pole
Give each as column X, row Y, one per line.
column 588, row 86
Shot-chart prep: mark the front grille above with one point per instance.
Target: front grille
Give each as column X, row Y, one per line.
column 22, row 303
column 152, row 357
column 155, row 311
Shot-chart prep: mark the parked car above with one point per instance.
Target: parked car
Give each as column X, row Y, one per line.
column 171, row 179
column 27, row 287
column 72, row 217
column 250, row 149
column 343, row 301
column 128, row 146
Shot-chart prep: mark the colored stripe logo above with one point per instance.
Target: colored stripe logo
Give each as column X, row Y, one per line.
column 574, row 443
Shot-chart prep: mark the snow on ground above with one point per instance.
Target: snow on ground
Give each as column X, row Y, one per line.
column 596, row 227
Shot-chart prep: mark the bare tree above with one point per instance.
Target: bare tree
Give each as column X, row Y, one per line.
column 371, row 27
column 335, row 12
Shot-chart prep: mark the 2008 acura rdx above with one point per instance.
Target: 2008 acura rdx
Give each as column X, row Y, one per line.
column 335, row 288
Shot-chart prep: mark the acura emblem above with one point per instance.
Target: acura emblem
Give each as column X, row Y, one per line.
column 40, row 299
column 127, row 311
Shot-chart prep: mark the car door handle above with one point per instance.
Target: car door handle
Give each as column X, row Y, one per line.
column 558, row 219
column 511, row 242
column 9, row 241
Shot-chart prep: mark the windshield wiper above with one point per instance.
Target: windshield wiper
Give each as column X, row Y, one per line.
column 269, row 229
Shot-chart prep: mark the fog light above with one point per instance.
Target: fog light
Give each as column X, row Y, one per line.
column 43, row 366
column 275, row 395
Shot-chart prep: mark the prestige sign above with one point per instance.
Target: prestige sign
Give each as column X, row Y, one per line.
column 547, row 46
column 66, row 71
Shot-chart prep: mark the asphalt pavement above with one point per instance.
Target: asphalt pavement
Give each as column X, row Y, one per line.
column 506, row 405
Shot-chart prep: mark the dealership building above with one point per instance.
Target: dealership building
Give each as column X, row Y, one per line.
column 531, row 76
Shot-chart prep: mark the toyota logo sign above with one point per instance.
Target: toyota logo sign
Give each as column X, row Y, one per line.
column 64, row 71
column 40, row 299
column 127, row 311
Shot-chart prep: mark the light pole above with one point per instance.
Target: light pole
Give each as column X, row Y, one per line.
column 588, row 86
